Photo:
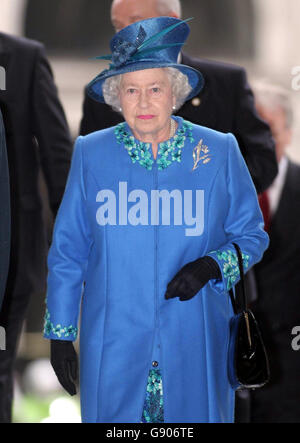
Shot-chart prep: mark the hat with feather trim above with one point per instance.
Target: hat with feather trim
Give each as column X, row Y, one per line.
column 147, row 44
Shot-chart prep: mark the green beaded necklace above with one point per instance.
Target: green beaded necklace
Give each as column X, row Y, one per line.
column 168, row 152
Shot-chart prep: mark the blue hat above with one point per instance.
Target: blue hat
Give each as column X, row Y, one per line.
column 151, row 43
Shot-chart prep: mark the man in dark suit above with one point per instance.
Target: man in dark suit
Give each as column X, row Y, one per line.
column 4, row 212
column 225, row 104
column 278, row 274
column 36, row 135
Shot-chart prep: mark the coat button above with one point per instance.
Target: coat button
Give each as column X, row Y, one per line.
column 155, row 364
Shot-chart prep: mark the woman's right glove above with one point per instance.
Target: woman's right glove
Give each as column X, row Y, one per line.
column 64, row 361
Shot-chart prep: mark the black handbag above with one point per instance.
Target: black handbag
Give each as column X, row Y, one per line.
column 248, row 365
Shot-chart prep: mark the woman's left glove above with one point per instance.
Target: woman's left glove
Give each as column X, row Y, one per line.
column 192, row 277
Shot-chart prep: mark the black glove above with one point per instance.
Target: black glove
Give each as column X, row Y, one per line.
column 192, row 277
column 65, row 364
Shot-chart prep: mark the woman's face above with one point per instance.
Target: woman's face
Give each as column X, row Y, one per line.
column 146, row 99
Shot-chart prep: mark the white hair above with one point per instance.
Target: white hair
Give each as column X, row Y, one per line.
column 167, row 6
column 179, row 83
column 272, row 96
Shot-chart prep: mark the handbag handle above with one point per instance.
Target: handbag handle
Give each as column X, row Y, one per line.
column 240, row 287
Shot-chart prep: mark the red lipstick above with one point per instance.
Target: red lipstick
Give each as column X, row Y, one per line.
column 146, row 117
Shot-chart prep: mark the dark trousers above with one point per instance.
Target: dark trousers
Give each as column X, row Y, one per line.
column 11, row 318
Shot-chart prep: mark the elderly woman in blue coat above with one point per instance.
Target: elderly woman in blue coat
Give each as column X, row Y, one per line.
column 143, row 243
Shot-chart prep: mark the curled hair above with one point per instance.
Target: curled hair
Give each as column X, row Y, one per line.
column 181, row 88
column 111, row 89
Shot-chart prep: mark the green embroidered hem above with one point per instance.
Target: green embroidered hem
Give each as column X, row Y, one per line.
column 58, row 330
column 153, row 411
column 168, row 152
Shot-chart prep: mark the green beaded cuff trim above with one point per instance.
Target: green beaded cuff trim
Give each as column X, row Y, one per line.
column 230, row 268
column 58, row 330
column 168, row 152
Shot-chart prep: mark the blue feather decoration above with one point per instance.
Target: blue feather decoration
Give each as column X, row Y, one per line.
column 162, row 33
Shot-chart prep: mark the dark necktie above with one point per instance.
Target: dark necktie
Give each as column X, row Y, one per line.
column 265, row 208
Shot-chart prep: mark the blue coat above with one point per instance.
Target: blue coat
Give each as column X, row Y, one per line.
column 126, row 225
